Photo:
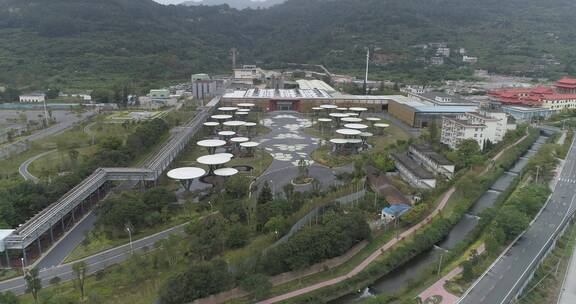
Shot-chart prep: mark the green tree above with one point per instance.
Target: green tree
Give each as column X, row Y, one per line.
column 288, row 190
column 258, row 284
column 198, row 281
column 8, row 298
column 237, row 186
column 79, row 269
column 416, row 214
column 466, row 150
column 265, row 194
column 33, row 283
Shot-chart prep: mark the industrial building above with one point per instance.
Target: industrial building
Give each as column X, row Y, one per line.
column 419, row 114
column 431, row 160
column 412, row 172
column 303, row 100
column 203, row 86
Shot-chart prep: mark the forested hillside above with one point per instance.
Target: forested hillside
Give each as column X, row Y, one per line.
column 86, row 43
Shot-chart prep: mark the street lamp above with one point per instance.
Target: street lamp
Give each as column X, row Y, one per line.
column 273, row 192
column 23, row 268
column 130, row 237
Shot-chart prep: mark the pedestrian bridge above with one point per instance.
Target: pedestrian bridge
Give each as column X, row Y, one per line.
column 52, row 222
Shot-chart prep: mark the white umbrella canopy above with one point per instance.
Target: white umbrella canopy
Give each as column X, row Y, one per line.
column 225, row 172
column 186, row 173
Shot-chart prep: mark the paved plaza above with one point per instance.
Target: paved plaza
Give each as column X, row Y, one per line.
column 287, row 143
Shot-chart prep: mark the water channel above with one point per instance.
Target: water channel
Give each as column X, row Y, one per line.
column 402, row 276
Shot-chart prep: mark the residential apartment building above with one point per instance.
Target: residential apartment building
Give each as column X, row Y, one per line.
column 431, row 160
column 249, row 72
column 482, row 126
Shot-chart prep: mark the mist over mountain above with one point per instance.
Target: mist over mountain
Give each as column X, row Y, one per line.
column 86, row 43
column 238, row 4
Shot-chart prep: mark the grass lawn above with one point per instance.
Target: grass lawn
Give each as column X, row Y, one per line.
column 97, row 242
column 379, row 143
column 114, row 286
column 72, row 138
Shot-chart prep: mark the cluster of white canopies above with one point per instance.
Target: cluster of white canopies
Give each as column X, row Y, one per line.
column 226, row 130
column 349, row 123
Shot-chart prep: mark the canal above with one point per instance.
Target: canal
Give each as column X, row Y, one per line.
column 401, row 277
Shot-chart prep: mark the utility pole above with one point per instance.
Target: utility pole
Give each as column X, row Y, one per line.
column 234, row 52
column 46, row 113
column 537, row 173
column 130, row 237
column 367, row 65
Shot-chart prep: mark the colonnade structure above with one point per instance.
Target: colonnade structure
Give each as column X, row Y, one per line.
column 31, row 239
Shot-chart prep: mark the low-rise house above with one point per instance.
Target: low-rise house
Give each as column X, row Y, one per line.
column 393, row 212
column 432, row 160
column 33, row 97
column 437, row 60
column 470, row 59
column 412, row 172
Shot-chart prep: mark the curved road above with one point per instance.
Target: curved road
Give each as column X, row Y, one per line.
column 23, row 169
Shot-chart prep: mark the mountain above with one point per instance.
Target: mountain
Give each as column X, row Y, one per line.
column 88, row 44
column 238, row 4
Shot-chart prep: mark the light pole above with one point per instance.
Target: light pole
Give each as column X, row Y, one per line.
column 130, row 237
column 273, row 193
column 23, row 267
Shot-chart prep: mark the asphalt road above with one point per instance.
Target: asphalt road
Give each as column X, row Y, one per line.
column 23, row 169
column 17, row 146
column 508, row 274
column 95, row 263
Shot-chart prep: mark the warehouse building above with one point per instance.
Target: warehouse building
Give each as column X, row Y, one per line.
column 420, row 114
column 303, row 100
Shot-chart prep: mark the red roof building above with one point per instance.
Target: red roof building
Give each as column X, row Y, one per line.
column 562, row 96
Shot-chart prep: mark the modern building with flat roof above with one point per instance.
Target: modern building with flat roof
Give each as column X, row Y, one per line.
column 303, row 100
column 419, row 114
column 527, row 114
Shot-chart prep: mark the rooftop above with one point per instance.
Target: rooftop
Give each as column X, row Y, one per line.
column 412, row 166
column 305, row 84
column 396, row 210
column 446, row 109
column 435, row 156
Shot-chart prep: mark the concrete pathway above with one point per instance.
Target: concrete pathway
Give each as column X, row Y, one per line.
column 438, row 289
column 23, row 169
column 287, row 144
column 364, row 264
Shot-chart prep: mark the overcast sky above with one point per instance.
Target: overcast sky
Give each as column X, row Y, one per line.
column 169, row 1
column 179, row 1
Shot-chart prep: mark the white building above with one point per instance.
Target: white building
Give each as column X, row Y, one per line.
column 248, row 72
column 482, row 126
column 437, row 60
column 469, row 59
column 34, row 97
column 443, row 51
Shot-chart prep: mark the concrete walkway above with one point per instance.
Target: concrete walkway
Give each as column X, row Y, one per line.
column 23, row 169
column 381, row 250
column 438, row 288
